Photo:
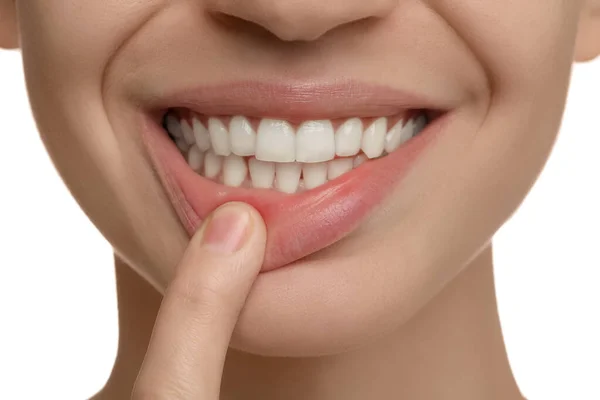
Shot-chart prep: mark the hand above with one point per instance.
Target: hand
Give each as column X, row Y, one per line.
column 201, row 306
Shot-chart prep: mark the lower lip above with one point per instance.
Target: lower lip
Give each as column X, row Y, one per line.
column 298, row 224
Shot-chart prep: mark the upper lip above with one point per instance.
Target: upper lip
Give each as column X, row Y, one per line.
column 297, row 102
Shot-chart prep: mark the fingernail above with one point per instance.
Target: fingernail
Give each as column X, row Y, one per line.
column 227, row 229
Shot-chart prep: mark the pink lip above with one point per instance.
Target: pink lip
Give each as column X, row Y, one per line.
column 300, row 224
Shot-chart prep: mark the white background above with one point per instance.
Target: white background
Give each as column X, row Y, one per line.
column 58, row 330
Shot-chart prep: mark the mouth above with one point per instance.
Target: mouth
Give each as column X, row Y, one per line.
column 312, row 178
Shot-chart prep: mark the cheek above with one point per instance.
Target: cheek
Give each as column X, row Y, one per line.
column 82, row 125
column 526, row 50
column 522, row 45
column 73, row 40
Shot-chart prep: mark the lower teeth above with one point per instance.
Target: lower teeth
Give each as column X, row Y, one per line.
column 249, row 172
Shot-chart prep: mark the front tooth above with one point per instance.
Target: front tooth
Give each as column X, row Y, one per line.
column 399, row 134
column 315, row 142
column 243, row 137
column 288, row 177
column 262, row 173
column 188, row 132
column 373, row 141
column 348, row 138
column 419, row 125
column 201, row 135
column 212, row 165
column 219, row 137
column 195, row 158
column 173, row 126
column 339, row 167
column 275, row 141
column 314, row 174
column 234, row 170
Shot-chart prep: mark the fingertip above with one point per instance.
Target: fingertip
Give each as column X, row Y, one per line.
column 232, row 227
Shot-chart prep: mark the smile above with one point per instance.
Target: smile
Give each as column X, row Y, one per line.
column 312, row 178
column 271, row 153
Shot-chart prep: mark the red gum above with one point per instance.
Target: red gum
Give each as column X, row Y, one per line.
column 298, row 224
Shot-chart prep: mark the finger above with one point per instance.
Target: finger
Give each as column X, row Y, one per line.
column 197, row 316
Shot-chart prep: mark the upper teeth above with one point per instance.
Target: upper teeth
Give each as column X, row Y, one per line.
column 278, row 141
column 280, row 155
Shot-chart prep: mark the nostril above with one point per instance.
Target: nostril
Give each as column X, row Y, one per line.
column 238, row 25
column 287, row 33
column 292, row 21
column 272, row 28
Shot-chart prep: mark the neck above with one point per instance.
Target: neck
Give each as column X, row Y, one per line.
column 452, row 349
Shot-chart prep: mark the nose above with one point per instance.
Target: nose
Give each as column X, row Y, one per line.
column 302, row 20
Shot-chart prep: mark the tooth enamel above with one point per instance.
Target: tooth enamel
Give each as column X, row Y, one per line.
column 359, row 160
column 262, row 173
column 315, row 142
column 419, row 125
column 234, row 170
column 314, row 174
column 276, row 156
column 399, row 134
column 201, row 135
column 212, row 165
column 195, row 158
column 407, row 131
column 348, row 138
column 275, row 141
column 188, row 132
column 173, row 127
column 219, row 137
column 182, row 144
column 243, row 137
column 373, row 141
column 287, row 177
column 338, row 167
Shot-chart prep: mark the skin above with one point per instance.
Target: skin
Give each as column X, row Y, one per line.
column 410, row 292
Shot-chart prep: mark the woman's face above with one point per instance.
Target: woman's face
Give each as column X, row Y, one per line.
column 348, row 259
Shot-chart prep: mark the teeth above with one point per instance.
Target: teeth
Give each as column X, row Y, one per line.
column 359, row 160
column 420, row 124
column 234, row 170
column 262, row 173
column 314, row 175
column 212, row 165
column 276, row 156
column 373, row 141
column 188, row 132
column 173, row 126
column 399, row 134
column 182, row 144
column 348, row 138
column 243, row 137
column 315, row 142
column 275, row 141
column 201, row 135
column 219, row 137
column 195, row 158
column 288, row 177
column 339, row 167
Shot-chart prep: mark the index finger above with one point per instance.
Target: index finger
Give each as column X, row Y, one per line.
column 197, row 316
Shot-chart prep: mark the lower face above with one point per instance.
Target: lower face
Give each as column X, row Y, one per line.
column 381, row 166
